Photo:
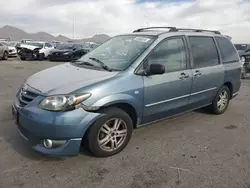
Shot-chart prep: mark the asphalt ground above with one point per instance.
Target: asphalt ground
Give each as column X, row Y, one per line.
column 196, row 149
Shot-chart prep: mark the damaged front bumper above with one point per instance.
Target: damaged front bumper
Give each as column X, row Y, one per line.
column 26, row 54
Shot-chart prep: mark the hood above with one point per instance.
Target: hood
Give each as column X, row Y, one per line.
column 247, row 53
column 11, row 48
column 241, row 52
column 61, row 50
column 30, row 47
column 66, row 78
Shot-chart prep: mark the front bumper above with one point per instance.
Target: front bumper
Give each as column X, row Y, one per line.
column 12, row 54
column 35, row 125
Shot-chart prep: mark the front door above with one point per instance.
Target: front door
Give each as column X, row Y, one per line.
column 167, row 94
column 208, row 73
column 1, row 50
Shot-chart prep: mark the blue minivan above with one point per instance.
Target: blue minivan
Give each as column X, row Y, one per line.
column 127, row 82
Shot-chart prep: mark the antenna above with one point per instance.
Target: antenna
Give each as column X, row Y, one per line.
column 73, row 28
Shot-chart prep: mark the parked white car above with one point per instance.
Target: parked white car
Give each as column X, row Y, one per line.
column 11, row 47
column 3, row 51
column 34, row 50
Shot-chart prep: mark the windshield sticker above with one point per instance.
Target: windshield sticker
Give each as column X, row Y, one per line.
column 142, row 39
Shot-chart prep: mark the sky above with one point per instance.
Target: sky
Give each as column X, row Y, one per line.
column 84, row 18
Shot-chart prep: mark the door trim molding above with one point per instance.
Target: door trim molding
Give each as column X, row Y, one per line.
column 203, row 91
column 180, row 97
column 168, row 100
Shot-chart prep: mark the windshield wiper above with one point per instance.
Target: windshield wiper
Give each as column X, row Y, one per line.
column 103, row 65
column 78, row 62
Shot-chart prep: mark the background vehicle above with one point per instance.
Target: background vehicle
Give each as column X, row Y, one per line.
column 34, row 50
column 67, row 52
column 3, row 51
column 244, row 53
column 127, row 82
column 12, row 49
column 26, row 40
column 242, row 48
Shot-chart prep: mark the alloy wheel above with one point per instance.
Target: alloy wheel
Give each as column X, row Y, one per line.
column 222, row 100
column 112, row 134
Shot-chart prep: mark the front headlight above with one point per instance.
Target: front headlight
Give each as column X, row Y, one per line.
column 66, row 53
column 63, row 102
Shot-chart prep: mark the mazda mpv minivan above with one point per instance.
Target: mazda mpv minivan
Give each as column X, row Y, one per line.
column 127, row 82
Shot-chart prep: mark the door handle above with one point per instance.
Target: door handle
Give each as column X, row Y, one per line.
column 183, row 76
column 197, row 73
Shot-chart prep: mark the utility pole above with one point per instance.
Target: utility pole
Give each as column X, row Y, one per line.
column 73, row 28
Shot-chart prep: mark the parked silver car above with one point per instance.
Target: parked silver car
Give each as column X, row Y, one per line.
column 3, row 51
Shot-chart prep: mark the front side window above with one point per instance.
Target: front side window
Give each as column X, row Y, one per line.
column 48, row 45
column 119, row 52
column 170, row 53
column 204, row 51
column 227, row 50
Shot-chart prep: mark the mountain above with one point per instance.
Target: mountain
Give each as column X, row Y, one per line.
column 17, row 34
column 96, row 38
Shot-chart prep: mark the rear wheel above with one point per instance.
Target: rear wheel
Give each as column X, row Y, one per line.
column 221, row 100
column 5, row 55
column 110, row 134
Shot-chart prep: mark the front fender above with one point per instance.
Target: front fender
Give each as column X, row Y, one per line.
column 45, row 51
column 135, row 102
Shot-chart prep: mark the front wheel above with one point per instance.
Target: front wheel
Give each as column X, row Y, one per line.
column 110, row 134
column 5, row 56
column 22, row 58
column 221, row 100
column 41, row 56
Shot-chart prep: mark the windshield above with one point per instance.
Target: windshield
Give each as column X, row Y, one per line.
column 64, row 46
column 119, row 52
column 40, row 45
column 240, row 46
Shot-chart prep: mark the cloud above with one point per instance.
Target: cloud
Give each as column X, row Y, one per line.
column 232, row 17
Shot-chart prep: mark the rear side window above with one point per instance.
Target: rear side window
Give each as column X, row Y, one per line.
column 204, row 51
column 227, row 50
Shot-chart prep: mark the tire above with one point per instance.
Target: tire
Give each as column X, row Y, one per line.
column 5, row 55
column 41, row 56
column 95, row 135
column 215, row 107
column 22, row 58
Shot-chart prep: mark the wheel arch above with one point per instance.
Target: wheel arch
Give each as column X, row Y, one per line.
column 126, row 107
column 230, row 87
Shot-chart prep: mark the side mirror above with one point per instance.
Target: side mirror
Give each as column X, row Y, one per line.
column 153, row 69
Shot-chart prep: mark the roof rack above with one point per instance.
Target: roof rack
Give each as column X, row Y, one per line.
column 147, row 28
column 174, row 29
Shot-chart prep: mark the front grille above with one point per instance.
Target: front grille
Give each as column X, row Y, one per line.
column 26, row 96
column 11, row 50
